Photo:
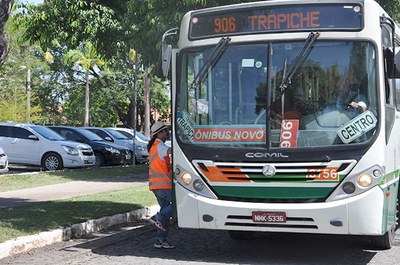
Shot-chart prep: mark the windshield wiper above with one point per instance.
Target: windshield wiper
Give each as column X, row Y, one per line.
column 287, row 79
column 211, row 60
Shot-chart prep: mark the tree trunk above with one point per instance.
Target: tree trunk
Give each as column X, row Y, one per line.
column 86, row 117
column 146, row 89
column 5, row 9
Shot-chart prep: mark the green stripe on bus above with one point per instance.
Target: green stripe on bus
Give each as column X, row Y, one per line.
column 389, row 177
column 273, row 192
column 288, row 178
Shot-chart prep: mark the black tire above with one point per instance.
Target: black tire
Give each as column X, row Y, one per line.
column 52, row 161
column 398, row 208
column 386, row 241
column 242, row 235
column 99, row 162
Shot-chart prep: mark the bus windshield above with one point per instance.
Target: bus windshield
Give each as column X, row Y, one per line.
column 330, row 99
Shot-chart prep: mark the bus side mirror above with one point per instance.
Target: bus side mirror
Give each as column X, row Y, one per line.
column 393, row 63
column 164, row 61
column 166, row 53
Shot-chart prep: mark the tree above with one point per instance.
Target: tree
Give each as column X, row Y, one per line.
column 22, row 59
column 87, row 59
column 5, row 9
column 392, row 7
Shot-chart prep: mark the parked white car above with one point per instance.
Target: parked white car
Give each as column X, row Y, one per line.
column 118, row 138
column 3, row 161
column 30, row 144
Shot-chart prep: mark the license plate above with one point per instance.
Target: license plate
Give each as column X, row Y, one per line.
column 269, row 217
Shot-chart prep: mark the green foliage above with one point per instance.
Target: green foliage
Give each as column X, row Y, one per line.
column 392, row 7
column 73, row 21
column 14, row 108
column 85, row 56
column 13, row 74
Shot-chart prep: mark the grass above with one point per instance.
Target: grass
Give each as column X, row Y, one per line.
column 31, row 180
column 44, row 216
column 38, row 217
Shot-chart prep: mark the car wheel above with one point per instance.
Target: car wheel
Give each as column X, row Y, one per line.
column 99, row 160
column 52, row 161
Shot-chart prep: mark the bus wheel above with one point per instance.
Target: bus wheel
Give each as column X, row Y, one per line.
column 386, row 241
column 242, row 235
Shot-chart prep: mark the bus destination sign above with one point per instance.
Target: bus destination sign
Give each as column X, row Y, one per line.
column 268, row 19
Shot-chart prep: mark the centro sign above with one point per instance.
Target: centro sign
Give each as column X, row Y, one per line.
column 357, row 127
column 265, row 155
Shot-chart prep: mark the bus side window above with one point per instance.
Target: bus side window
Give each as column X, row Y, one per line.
column 397, row 80
column 388, row 62
column 397, row 84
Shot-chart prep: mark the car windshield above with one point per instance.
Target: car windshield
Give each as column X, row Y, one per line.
column 331, row 98
column 127, row 134
column 142, row 136
column 116, row 134
column 91, row 136
column 48, row 133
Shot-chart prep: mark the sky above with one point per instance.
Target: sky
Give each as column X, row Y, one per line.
column 32, row 1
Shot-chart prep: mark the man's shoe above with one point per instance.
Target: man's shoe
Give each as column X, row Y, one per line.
column 157, row 223
column 164, row 244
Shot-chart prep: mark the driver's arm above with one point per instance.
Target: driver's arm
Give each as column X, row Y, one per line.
column 361, row 105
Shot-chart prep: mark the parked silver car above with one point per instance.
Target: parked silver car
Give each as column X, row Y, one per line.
column 118, row 138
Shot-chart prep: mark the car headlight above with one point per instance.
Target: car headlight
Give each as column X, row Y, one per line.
column 112, row 150
column 140, row 148
column 70, row 150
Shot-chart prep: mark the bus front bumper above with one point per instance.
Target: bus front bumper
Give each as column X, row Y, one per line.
column 358, row 215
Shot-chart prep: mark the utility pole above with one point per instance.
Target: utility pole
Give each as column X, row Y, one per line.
column 134, row 60
column 28, row 96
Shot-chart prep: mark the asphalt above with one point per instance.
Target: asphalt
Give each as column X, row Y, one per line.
column 16, row 198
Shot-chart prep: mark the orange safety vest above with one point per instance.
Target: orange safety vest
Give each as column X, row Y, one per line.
column 160, row 172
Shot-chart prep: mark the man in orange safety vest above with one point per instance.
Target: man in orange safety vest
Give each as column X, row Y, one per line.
column 160, row 181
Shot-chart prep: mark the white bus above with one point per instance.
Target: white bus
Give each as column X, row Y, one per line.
column 286, row 118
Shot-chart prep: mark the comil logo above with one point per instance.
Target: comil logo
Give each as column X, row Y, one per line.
column 266, row 155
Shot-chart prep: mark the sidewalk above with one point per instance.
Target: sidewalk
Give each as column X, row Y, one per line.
column 64, row 191
column 68, row 190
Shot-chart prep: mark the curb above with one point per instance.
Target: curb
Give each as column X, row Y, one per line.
column 27, row 243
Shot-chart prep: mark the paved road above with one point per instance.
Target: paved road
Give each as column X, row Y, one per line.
column 133, row 245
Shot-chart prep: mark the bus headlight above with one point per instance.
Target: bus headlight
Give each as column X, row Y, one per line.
column 364, row 180
column 186, row 178
column 358, row 182
column 198, row 185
